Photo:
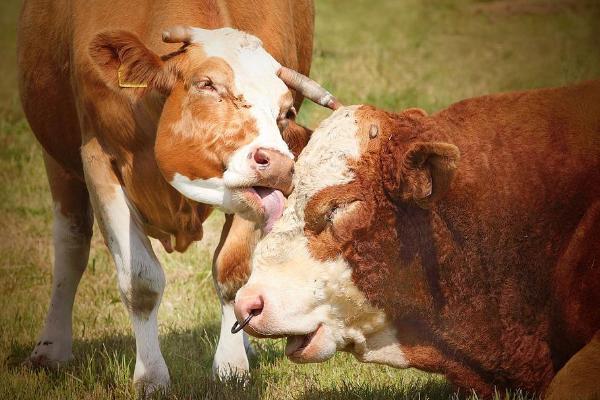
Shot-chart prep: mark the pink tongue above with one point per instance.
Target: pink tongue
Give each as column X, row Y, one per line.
column 272, row 201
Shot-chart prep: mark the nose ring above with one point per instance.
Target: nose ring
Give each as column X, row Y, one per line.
column 238, row 327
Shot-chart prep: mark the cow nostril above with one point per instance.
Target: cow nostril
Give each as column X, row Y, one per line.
column 261, row 158
column 256, row 311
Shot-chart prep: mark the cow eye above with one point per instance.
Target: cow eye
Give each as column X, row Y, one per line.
column 291, row 113
column 339, row 214
column 205, row 85
column 330, row 215
column 333, row 215
column 284, row 119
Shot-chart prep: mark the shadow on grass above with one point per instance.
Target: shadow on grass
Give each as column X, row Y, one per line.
column 106, row 364
column 417, row 390
column 109, row 362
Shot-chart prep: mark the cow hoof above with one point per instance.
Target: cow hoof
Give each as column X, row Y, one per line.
column 239, row 371
column 47, row 355
column 146, row 388
column 151, row 380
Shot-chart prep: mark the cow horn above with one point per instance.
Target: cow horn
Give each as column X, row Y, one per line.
column 308, row 88
column 177, row 34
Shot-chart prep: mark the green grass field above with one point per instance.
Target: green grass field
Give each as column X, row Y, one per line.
column 393, row 54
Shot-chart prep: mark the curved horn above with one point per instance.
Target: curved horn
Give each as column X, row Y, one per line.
column 177, row 34
column 309, row 88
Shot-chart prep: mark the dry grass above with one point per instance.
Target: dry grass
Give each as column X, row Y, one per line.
column 394, row 54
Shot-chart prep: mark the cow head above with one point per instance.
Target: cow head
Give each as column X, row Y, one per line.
column 342, row 265
column 226, row 101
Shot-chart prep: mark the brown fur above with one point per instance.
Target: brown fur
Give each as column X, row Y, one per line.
column 296, row 136
column 476, row 230
column 69, row 53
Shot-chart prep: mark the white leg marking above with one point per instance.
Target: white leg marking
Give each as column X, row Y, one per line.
column 71, row 251
column 230, row 358
column 151, row 372
column 141, row 283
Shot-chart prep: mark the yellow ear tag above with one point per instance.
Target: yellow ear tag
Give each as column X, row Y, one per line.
column 128, row 84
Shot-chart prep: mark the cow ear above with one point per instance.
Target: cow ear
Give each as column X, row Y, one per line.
column 427, row 171
column 125, row 63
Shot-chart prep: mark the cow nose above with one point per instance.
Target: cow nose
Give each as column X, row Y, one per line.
column 248, row 302
column 274, row 169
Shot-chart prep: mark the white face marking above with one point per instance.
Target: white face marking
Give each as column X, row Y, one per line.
column 322, row 292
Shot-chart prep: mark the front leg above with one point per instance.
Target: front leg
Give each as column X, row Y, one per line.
column 231, row 268
column 141, row 279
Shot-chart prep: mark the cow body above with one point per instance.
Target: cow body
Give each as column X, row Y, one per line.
column 130, row 124
column 464, row 243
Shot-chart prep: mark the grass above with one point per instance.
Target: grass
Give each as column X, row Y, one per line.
column 394, row 54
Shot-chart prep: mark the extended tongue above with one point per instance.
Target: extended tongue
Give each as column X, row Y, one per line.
column 272, row 201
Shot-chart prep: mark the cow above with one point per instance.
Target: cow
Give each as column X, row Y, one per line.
column 150, row 136
column 465, row 243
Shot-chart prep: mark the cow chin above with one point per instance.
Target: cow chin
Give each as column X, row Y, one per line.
column 316, row 346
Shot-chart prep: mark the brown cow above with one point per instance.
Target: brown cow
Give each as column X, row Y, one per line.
column 465, row 243
column 203, row 120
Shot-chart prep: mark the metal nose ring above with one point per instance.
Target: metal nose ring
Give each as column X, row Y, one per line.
column 238, row 327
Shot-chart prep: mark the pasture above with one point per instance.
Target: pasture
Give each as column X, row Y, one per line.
column 391, row 53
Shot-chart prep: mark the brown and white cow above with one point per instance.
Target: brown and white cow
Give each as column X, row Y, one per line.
column 151, row 135
column 465, row 243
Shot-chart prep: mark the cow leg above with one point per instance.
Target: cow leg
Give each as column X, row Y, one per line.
column 578, row 379
column 141, row 279
column 72, row 232
column 231, row 268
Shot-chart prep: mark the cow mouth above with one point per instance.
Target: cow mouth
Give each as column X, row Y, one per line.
column 301, row 347
column 267, row 202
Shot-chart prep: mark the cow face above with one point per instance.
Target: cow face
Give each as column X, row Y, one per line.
column 341, row 261
column 219, row 135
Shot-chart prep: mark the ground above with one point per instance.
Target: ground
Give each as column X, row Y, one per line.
column 394, row 54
